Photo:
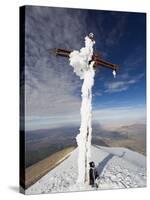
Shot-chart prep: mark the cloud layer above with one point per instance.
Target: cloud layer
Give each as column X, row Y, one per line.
column 51, row 86
column 52, row 90
column 124, row 84
column 121, row 116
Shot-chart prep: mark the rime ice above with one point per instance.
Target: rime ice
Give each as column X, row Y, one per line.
column 114, row 73
column 80, row 61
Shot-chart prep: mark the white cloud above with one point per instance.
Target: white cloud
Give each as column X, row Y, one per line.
column 97, row 93
column 106, row 117
column 52, row 93
column 119, row 86
column 117, row 116
column 51, row 87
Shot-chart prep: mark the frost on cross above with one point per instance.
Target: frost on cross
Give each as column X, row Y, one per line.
column 82, row 63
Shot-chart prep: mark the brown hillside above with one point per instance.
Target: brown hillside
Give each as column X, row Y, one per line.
column 36, row 171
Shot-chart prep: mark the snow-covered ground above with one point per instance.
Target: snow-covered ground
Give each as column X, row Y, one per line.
column 117, row 168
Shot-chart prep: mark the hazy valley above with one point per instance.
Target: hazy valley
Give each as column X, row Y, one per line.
column 43, row 143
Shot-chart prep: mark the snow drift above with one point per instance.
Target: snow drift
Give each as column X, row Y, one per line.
column 117, row 168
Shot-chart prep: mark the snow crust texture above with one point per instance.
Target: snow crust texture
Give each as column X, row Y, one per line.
column 117, row 168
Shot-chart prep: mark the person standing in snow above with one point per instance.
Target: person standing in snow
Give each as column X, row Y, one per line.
column 93, row 175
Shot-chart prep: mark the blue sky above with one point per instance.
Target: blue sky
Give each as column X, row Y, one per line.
column 53, row 90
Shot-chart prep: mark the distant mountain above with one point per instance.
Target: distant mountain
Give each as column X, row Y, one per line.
column 134, row 130
column 45, row 142
column 134, row 138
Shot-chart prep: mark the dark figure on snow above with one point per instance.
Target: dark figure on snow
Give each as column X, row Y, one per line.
column 93, row 175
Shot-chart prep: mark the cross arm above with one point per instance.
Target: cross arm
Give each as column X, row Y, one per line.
column 103, row 63
column 98, row 62
column 61, row 52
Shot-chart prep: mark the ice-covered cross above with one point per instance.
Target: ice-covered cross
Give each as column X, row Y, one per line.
column 84, row 63
column 83, row 67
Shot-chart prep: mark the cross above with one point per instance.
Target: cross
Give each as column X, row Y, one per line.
column 98, row 62
column 93, row 61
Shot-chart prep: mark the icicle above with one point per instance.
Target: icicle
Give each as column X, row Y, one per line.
column 114, row 73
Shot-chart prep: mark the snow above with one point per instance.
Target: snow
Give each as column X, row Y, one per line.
column 117, row 168
column 79, row 60
column 114, row 73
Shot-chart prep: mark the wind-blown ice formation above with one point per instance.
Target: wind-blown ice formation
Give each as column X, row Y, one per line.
column 83, row 67
column 79, row 60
